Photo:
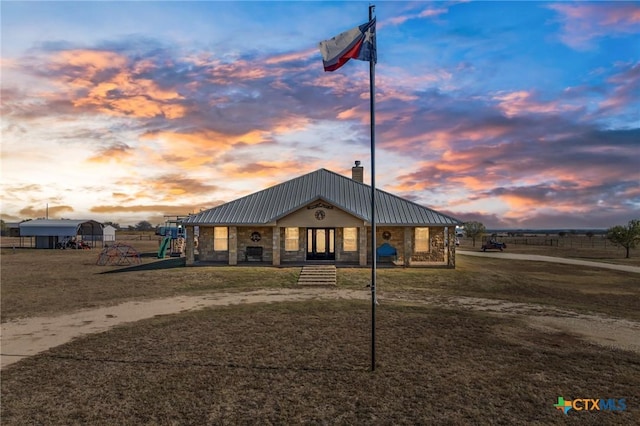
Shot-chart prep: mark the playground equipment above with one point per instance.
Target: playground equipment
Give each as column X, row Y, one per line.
column 118, row 254
column 174, row 237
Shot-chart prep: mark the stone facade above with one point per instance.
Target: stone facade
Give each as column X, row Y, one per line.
column 255, row 237
column 205, row 247
column 436, row 251
column 271, row 240
column 298, row 256
column 342, row 256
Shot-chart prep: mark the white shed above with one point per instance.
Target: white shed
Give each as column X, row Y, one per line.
column 108, row 234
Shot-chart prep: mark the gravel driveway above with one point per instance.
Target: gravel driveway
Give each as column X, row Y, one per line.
column 539, row 258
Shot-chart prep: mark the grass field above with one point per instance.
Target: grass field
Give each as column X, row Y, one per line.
column 574, row 247
column 438, row 361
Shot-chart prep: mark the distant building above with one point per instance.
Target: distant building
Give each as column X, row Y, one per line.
column 107, row 236
column 320, row 217
column 12, row 229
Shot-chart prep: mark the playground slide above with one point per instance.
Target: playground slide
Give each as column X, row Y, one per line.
column 163, row 247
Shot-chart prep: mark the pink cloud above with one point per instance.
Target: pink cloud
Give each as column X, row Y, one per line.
column 626, row 86
column 426, row 13
column 294, row 56
column 117, row 92
column 582, row 22
column 523, row 102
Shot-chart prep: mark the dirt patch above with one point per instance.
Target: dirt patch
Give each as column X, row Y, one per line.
column 29, row 336
column 609, row 332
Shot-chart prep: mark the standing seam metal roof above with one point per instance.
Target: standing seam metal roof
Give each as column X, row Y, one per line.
column 278, row 201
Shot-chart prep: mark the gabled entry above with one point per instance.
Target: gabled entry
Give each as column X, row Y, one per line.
column 321, row 243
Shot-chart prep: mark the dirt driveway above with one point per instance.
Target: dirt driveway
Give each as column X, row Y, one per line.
column 30, row 336
column 539, row 258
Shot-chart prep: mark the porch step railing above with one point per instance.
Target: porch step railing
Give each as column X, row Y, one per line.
column 318, row 275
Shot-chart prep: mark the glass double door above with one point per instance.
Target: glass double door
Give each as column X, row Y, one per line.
column 321, row 243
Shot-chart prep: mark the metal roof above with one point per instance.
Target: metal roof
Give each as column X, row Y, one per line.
column 271, row 204
column 46, row 227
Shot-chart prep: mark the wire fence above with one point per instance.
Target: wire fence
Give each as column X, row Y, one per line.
column 92, row 240
column 595, row 242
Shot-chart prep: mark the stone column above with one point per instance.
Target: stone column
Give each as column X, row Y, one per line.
column 233, row 245
column 408, row 247
column 276, row 245
column 451, row 261
column 189, row 249
column 362, row 247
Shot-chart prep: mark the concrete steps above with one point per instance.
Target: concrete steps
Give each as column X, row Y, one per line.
column 318, row 275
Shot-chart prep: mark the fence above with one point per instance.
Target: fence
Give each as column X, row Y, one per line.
column 539, row 242
column 94, row 241
column 598, row 242
column 136, row 237
column 18, row 242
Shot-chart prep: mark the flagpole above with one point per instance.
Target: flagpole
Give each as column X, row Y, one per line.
column 372, row 68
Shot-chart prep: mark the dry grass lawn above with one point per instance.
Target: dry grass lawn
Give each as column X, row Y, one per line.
column 308, row 362
column 576, row 247
column 49, row 282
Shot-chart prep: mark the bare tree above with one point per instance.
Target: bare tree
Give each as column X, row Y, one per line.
column 474, row 230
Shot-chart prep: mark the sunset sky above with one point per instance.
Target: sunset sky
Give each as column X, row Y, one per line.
column 516, row 114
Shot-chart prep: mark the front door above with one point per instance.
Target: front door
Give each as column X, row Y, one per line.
column 321, row 244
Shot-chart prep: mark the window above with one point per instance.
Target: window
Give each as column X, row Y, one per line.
column 291, row 239
column 350, row 239
column 422, row 239
column 220, row 238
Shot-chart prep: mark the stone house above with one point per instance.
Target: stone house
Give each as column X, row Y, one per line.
column 320, row 217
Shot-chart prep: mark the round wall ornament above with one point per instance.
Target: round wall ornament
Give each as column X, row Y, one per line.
column 386, row 235
column 319, row 214
column 255, row 237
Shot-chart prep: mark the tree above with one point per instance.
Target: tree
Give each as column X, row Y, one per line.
column 144, row 226
column 474, row 230
column 590, row 235
column 625, row 236
column 115, row 225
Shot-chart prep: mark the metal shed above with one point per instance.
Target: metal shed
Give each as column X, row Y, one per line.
column 12, row 229
column 48, row 233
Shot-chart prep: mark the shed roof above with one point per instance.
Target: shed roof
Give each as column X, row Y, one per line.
column 53, row 227
column 271, row 204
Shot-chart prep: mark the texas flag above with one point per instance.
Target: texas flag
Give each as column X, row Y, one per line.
column 358, row 43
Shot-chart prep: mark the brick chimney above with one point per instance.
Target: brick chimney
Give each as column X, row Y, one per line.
column 357, row 172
